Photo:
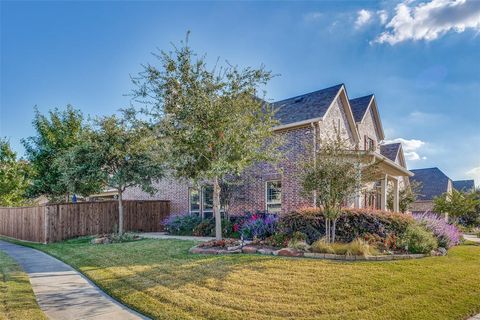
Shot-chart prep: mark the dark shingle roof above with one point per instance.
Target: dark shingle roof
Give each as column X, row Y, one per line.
column 434, row 182
column 464, row 185
column 307, row 106
column 359, row 106
column 390, row 150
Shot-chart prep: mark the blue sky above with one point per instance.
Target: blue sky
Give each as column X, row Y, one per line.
column 420, row 59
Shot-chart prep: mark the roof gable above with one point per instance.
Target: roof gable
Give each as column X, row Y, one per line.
column 308, row 106
column 433, row 182
column 360, row 106
column 464, row 185
column 390, row 150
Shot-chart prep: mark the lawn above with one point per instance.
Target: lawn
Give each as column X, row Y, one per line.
column 161, row 279
column 17, row 300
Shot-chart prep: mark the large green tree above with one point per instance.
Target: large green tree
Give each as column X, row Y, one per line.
column 14, row 176
column 117, row 153
column 212, row 119
column 56, row 133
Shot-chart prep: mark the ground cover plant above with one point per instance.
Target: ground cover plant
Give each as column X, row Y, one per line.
column 161, row 279
column 17, row 300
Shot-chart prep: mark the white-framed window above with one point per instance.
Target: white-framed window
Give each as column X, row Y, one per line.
column 273, row 196
column 207, row 201
column 194, row 200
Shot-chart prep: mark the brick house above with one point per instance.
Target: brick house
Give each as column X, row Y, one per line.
column 304, row 120
column 434, row 183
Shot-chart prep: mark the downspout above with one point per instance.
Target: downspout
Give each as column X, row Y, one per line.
column 314, row 159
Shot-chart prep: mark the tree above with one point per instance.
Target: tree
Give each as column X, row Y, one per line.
column 406, row 196
column 117, row 154
column 55, row 135
column 214, row 122
column 456, row 204
column 335, row 173
column 14, row 177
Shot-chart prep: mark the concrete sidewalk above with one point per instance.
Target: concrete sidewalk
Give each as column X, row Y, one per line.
column 62, row 292
column 471, row 237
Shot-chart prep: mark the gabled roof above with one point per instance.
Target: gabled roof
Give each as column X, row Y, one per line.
column 464, row 185
column 390, row 150
column 434, row 182
column 360, row 106
column 311, row 105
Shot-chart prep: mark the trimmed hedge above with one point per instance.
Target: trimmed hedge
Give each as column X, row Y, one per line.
column 352, row 224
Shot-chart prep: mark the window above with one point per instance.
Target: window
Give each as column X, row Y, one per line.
column 369, row 144
column 207, row 201
column 194, row 198
column 273, row 196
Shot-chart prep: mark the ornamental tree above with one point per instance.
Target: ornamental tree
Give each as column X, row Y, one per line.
column 116, row 153
column 406, row 196
column 14, row 176
column 213, row 121
column 335, row 173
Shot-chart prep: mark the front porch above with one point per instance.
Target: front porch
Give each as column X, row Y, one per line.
column 391, row 176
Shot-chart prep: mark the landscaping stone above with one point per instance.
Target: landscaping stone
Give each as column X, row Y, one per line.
column 289, row 252
column 330, row 256
column 265, row 251
column 102, row 240
column 350, row 258
column 442, row 251
column 314, row 255
column 234, row 248
column 249, row 249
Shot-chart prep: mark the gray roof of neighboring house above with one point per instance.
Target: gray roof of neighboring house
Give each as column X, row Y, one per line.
column 307, row 106
column 390, row 150
column 464, row 185
column 434, row 182
column 360, row 106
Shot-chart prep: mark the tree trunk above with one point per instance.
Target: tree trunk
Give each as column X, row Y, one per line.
column 120, row 212
column 216, row 209
column 334, row 230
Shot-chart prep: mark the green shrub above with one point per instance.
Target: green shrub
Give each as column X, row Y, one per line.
column 417, row 239
column 352, row 224
column 182, row 225
column 278, row 240
column 298, row 241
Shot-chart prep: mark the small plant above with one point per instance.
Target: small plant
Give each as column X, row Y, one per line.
column 358, row 247
column 447, row 234
column 321, row 246
column 418, row 240
column 277, row 240
column 298, row 241
column 182, row 224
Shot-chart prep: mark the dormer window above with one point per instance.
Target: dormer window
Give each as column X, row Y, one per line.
column 369, row 144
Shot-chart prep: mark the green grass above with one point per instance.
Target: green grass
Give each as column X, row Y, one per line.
column 17, row 300
column 161, row 279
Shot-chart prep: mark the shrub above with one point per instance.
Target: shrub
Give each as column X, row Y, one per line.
column 447, row 234
column 417, row 239
column 259, row 226
column 352, row 224
column 182, row 225
column 357, row 247
column 277, row 240
column 298, row 241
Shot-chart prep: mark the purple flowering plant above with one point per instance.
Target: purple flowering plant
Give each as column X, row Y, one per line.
column 259, row 225
column 448, row 235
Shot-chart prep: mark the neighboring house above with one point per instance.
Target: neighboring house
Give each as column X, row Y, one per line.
column 434, row 183
column 304, row 121
column 464, row 185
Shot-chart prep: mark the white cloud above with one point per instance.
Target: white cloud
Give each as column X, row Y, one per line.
column 363, row 17
column 312, row 16
column 410, row 148
column 474, row 174
column 383, row 16
column 430, row 20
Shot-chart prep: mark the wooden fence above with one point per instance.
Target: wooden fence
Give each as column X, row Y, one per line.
column 51, row 223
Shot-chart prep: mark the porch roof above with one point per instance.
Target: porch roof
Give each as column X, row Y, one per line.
column 391, row 167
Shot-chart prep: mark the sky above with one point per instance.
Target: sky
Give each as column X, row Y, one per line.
column 421, row 59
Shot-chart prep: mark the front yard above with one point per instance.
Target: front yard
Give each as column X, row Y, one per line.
column 17, row 300
column 161, row 279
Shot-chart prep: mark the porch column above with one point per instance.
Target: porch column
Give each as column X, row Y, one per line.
column 383, row 193
column 396, row 207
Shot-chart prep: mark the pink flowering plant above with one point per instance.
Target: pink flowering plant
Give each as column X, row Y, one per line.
column 448, row 235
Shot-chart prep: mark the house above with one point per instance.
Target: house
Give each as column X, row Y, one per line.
column 433, row 183
column 304, row 121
